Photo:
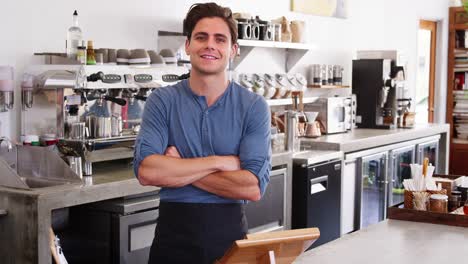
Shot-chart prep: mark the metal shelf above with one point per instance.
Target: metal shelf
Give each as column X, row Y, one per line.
column 312, row 86
column 288, row 101
column 274, row 44
column 293, row 51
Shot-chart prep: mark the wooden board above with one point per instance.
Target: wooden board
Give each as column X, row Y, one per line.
column 281, row 247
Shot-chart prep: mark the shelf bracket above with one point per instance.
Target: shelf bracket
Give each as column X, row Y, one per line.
column 242, row 54
column 293, row 56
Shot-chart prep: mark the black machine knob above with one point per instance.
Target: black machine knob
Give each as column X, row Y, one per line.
column 118, row 101
column 95, row 77
column 140, row 97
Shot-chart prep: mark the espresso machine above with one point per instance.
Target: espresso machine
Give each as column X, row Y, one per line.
column 94, row 111
column 379, row 85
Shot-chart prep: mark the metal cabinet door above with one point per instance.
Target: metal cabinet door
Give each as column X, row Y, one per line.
column 372, row 189
column 268, row 214
column 135, row 236
column 323, row 206
column 399, row 170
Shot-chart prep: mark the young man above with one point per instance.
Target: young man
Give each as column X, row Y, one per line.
column 206, row 142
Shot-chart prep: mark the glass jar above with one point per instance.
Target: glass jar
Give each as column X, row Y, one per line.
column 277, row 29
column 438, row 203
column 455, row 200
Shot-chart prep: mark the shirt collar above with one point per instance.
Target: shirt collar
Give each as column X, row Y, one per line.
column 201, row 99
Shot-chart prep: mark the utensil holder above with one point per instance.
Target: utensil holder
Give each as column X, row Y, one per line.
column 408, row 197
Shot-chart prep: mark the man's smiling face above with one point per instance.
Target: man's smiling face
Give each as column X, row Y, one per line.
column 210, row 46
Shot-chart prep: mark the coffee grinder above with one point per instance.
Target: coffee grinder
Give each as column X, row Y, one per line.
column 405, row 118
column 379, row 85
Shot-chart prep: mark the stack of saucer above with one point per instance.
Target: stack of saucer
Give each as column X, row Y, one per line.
column 155, row 58
column 139, row 57
column 122, row 56
column 169, row 56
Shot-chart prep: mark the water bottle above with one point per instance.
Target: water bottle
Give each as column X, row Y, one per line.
column 74, row 37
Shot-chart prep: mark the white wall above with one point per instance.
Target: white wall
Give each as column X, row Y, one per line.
column 37, row 26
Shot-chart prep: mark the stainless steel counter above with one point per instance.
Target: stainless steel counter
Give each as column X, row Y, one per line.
column 363, row 138
column 394, row 241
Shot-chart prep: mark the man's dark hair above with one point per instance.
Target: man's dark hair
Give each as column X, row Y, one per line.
column 203, row 10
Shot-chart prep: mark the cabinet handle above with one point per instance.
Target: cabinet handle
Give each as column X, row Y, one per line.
column 318, row 184
column 384, row 182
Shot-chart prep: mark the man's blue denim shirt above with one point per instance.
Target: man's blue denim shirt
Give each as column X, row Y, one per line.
column 238, row 123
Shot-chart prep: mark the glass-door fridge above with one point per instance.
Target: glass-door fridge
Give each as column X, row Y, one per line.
column 429, row 150
column 399, row 170
column 372, row 193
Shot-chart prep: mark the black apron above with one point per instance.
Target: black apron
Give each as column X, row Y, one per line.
column 196, row 232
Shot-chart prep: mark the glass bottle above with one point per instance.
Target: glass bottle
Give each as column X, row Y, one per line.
column 81, row 53
column 74, row 37
column 90, row 56
column 465, row 207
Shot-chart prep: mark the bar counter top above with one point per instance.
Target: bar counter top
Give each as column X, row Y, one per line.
column 394, row 241
column 365, row 138
column 29, row 211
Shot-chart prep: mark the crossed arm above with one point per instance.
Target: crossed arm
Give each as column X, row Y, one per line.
column 220, row 175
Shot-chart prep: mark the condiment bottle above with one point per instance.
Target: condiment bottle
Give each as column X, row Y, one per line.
column 90, row 57
column 455, row 201
column 81, row 53
column 438, row 203
column 465, row 207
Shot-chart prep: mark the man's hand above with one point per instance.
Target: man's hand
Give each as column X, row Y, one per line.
column 172, row 151
column 229, row 163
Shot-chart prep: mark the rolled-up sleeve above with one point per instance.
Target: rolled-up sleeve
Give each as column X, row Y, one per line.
column 153, row 135
column 254, row 150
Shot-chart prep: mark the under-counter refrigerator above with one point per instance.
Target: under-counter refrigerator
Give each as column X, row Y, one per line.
column 316, row 197
column 430, row 150
column 371, row 190
column 399, row 170
column 380, row 183
column 373, row 180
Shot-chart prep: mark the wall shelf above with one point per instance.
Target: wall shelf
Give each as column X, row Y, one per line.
column 274, row 44
column 289, row 101
column 312, row 86
column 293, row 51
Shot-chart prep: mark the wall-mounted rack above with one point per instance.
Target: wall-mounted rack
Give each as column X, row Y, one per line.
column 293, row 51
